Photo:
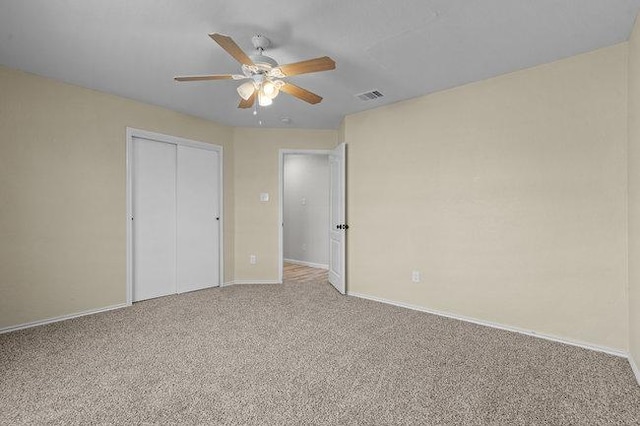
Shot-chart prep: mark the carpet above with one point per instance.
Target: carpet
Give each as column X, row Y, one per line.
column 300, row 353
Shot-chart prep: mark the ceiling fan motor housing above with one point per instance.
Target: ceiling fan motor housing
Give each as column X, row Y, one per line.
column 263, row 62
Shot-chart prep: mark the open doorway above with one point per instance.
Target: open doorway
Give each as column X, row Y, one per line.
column 305, row 213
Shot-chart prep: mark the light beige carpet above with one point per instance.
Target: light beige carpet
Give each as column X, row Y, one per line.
column 300, row 354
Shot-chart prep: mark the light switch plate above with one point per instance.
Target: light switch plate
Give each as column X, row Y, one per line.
column 264, row 196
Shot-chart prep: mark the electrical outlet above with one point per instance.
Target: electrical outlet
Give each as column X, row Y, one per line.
column 415, row 276
column 252, row 259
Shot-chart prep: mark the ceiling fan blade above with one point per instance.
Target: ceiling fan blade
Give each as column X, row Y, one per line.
column 301, row 93
column 248, row 103
column 232, row 48
column 204, row 77
column 312, row 65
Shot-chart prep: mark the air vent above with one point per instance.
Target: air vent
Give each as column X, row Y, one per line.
column 369, row 96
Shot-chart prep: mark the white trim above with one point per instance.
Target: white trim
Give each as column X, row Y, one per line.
column 252, row 282
column 175, row 140
column 309, row 264
column 159, row 137
column 129, row 217
column 532, row 333
column 61, row 318
column 635, row 368
column 281, row 155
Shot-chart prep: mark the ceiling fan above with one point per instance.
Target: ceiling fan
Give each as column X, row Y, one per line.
column 265, row 75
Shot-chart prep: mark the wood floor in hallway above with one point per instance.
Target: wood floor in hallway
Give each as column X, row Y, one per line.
column 301, row 273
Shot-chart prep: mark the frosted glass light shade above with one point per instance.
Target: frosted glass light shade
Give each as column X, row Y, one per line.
column 264, row 100
column 270, row 89
column 245, row 90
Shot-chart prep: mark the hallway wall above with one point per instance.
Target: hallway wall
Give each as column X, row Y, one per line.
column 306, row 208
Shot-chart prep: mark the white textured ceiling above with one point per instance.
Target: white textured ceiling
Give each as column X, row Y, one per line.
column 403, row 48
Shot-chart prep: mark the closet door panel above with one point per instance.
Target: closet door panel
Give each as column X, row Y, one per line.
column 198, row 215
column 154, row 219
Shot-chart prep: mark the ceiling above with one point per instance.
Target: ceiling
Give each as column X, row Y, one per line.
column 402, row 48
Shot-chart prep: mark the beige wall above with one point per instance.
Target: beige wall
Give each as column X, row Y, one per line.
column 509, row 195
column 341, row 132
column 256, row 171
column 634, row 194
column 62, row 193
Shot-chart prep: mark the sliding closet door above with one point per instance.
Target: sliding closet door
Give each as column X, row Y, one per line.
column 198, row 218
column 154, row 219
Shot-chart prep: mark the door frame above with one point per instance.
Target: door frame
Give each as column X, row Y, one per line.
column 175, row 140
column 281, row 155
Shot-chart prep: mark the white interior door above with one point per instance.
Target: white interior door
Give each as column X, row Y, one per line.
column 154, row 218
column 337, row 233
column 198, row 219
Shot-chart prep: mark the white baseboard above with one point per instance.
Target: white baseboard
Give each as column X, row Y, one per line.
column 635, row 368
column 309, row 264
column 228, row 283
column 532, row 333
column 61, row 318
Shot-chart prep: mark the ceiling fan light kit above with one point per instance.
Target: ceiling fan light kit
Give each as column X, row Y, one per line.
column 265, row 75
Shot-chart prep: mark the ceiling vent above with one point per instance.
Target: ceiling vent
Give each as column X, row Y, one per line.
column 369, row 96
